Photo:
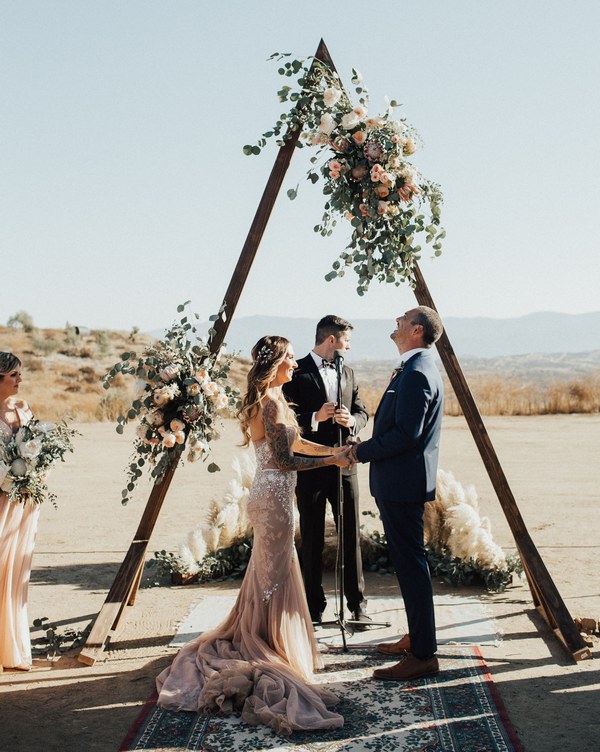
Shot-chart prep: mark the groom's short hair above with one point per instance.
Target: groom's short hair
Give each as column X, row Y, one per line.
column 331, row 325
column 430, row 321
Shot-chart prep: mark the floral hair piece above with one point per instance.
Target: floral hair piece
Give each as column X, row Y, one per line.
column 264, row 355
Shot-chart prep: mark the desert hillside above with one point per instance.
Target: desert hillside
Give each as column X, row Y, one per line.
column 63, row 371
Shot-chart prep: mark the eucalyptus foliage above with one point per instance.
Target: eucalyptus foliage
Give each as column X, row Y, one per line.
column 182, row 389
column 367, row 176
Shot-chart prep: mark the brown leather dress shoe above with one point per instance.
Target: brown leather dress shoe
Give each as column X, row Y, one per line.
column 401, row 647
column 408, row 668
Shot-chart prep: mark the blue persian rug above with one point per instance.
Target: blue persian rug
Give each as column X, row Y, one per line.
column 457, row 711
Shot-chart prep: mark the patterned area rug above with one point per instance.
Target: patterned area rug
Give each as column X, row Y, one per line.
column 457, row 711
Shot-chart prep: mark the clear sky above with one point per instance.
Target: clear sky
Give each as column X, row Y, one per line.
column 124, row 190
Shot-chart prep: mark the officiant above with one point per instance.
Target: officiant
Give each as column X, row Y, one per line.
column 313, row 393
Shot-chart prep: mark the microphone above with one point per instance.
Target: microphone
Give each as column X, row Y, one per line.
column 338, row 359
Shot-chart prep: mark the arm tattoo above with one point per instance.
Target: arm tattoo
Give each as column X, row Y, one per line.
column 278, row 436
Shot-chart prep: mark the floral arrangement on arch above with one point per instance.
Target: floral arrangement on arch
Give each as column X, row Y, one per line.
column 182, row 390
column 27, row 457
column 368, row 176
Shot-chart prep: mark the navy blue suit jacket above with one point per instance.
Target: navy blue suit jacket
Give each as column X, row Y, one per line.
column 404, row 449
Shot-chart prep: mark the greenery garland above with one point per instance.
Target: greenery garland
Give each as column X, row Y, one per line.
column 231, row 562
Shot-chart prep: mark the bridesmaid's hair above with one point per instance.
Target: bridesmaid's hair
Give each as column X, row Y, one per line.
column 267, row 355
column 8, row 363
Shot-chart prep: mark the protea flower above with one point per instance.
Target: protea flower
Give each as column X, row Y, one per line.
column 374, row 151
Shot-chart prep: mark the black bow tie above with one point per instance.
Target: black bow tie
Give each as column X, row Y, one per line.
column 396, row 371
column 327, row 364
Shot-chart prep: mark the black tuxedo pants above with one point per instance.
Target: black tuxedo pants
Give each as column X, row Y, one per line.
column 403, row 526
column 311, row 506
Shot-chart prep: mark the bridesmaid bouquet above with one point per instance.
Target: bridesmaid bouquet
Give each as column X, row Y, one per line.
column 27, row 457
column 182, row 388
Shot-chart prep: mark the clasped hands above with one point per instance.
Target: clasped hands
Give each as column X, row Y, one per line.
column 345, row 456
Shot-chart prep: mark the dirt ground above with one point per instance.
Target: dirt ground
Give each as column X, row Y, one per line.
column 551, row 463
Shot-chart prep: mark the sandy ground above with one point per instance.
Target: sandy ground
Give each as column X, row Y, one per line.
column 552, row 467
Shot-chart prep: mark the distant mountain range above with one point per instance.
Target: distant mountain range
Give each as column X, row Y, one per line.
column 543, row 333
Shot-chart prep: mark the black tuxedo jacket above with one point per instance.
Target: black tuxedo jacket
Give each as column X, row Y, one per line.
column 307, row 394
column 404, row 449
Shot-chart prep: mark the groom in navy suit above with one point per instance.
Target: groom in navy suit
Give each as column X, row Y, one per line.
column 403, row 453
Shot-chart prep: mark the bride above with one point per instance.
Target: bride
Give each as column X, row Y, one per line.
column 260, row 660
column 18, row 526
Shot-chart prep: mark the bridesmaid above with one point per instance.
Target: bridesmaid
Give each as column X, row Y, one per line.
column 18, row 525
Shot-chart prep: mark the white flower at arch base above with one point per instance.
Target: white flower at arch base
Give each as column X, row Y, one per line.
column 186, row 386
column 372, row 153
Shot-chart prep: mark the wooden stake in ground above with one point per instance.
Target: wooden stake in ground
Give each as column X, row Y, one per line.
column 545, row 594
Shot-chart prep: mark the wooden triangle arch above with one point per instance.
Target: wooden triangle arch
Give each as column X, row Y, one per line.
column 544, row 592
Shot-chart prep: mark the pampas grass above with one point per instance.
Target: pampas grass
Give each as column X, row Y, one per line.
column 459, row 541
column 226, row 522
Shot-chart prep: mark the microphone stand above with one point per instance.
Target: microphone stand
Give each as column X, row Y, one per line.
column 344, row 625
column 339, row 559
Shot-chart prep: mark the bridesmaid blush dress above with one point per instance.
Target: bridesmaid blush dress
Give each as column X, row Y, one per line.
column 18, row 526
column 260, row 660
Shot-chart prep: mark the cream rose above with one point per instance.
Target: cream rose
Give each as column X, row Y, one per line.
column 359, row 137
column 350, row 120
column 331, row 96
column 193, row 389
column 18, row 467
column 327, row 124
column 179, row 437
column 169, row 440
column 381, row 190
column 29, row 450
column 176, row 425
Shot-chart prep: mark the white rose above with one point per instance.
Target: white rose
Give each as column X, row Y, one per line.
column 331, row 96
column 350, row 120
column 327, row 123
column 29, row 450
column 18, row 467
column 45, row 426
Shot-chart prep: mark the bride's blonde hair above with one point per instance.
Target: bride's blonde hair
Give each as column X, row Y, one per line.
column 267, row 355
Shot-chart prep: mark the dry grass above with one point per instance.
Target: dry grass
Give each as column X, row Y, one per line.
column 496, row 395
column 64, row 377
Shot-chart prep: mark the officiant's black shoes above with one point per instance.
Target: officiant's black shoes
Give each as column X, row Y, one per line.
column 317, row 617
column 360, row 620
column 408, row 668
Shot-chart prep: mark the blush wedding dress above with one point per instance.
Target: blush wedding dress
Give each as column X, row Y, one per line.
column 18, row 526
column 260, row 660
